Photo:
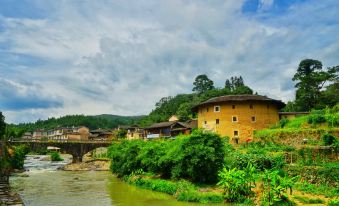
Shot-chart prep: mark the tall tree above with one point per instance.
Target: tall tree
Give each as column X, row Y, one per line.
column 236, row 85
column 311, row 78
column 202, row 84
column 2, row 126
column 228, row 85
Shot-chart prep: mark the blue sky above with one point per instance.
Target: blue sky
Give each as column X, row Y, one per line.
column 120, row 56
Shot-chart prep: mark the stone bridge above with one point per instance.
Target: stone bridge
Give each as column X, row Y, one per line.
column 77, row 148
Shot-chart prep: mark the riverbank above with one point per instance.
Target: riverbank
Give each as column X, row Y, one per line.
column 9, row 197
column 91, row 165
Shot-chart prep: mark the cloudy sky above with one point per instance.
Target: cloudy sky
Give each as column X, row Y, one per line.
column 120, row 56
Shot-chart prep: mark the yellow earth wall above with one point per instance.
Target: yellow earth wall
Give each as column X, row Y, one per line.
column 265, row 113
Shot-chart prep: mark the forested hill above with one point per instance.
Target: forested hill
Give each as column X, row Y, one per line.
column 93, row 122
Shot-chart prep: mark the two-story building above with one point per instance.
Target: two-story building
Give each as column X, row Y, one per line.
column 238, row 116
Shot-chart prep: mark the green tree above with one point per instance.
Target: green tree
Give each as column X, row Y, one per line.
column 2, row 126
column 237, row 86
column 311, row 78
column 184, row 111
column 202, row 84
column 121, row 134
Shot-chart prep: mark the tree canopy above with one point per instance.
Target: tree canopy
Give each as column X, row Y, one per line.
column 2, row 125
column 202, row 84
column 310, row 79
column 236, row 85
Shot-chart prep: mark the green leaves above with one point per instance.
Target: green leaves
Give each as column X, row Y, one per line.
column 202, row 84
column 310, row 79
column 276, row 186
column 197, row 157
column 238, row 184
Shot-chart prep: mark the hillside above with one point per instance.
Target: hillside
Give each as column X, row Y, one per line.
column 310, row 128
column 93, row 122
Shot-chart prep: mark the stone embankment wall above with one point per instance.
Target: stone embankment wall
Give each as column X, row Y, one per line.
column 8, row 197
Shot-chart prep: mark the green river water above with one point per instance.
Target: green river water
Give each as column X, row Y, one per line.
column 44, row 185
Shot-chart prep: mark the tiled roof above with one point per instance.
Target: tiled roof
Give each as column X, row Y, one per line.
column 240, row 98
column 161, row 124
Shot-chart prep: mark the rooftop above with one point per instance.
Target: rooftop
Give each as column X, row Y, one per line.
column 240, row 98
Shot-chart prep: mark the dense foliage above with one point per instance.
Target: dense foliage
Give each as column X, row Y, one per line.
column 10, row 157
column 310, row 80
column 197, row 157
column 55, row 156
column 238, row 183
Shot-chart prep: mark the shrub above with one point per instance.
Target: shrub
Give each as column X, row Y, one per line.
column 55, row 156
column 260, row 161
column 283, row 122
column 334, row 202
column 237, row 184
column 197, row 157
column 328, row 139
column 316, row 117
column 16, row 160
column 124, row 157
column 275, row 188
column 202, row 157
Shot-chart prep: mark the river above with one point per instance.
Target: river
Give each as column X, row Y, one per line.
column 44, row 185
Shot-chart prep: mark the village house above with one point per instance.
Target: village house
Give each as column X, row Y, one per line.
column 80, row 133
column 39, row 134
column 27, row 136
column 238, row 116
column 135, row 132
column 169, row 129
column 101, row 135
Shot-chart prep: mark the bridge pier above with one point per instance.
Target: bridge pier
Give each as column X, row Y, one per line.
column 77, row 159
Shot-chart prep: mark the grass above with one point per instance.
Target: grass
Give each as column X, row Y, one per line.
column 307, row 200
column 181, row 190
column 317, row 189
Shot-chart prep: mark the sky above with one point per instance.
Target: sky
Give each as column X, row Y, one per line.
column 121, row 56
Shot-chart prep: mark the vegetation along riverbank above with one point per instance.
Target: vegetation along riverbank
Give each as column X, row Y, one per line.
column 204, row 167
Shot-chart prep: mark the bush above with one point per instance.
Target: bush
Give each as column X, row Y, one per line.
column 328, row 139
column 55, row 156
column 275, row 188
column 334, row 202
column 16, row 160
column 260, row 161
column 197, row 157
column 124, row 157
column 238, row 184
column 283, row 122
column 202, row 156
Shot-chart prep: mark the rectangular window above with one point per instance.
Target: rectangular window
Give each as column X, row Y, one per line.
column 233, row 106
column 251, row 106
column 253, row 119
column 217, row 121
column 236, row 134
column 205, row 122
column 234, row 119
column 216, row 108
